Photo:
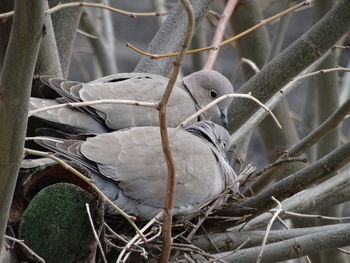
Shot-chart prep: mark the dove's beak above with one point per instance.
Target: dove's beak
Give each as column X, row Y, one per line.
column 223, row 117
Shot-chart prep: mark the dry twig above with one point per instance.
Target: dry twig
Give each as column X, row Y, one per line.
column 170, row 187
column 95, row 233
column 279, row 210
column 81, row 4
column 220, row 29
column 249, row 30
column 135, row 238
column 216, row 101
column 95, row 102
column 31, row 252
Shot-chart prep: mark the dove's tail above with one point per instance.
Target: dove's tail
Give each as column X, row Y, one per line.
column 68, row 119
column 70, row 92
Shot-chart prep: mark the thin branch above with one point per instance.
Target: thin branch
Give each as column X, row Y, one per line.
column 220, row 29
column 213, row 20
column 91, row 184
column 262, row 23
column 115, row 234
column 31, row 252
column 339, row 219
column 344, row 251
column 251, row 64
column 95, row 233
column 216, row 101
column 43, row 138
column 7, row 15
column 322, row 71
column 82, row 32
column 98, row 5
column 170, row 187
column 134, row 239
column 95, row 102
column 279, row 210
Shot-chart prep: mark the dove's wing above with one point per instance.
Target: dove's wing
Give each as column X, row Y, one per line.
column 117, row 116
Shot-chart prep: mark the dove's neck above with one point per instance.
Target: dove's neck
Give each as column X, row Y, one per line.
column 192, row 97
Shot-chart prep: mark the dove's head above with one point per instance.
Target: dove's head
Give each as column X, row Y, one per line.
column 217, row 135
column 206, row 86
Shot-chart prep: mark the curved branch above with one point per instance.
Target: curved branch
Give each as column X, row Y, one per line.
column 170, row 187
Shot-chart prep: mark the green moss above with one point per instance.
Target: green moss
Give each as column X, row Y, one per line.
column 56, row 225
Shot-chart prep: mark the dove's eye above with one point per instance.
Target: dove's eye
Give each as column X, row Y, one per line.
column 213, row 94
column 224, row 144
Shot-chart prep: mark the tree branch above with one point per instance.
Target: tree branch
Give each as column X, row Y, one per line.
column 301, row 179
column 16, row 79
column 170, row 187
column 336, row 236
column 307, row 49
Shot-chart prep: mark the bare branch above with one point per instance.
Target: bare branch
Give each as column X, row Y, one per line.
column 98, row 5
column 279, row 210
column 95, row 233
column 170, row 187
column 220, row 29
column 232, row 95
column 30, row 251
column 134, row 239
column 95, row 102
column 262, row 23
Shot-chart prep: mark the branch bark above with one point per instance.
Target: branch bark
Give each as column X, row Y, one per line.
column 15, row 85
column 230, row 240
column 65, row 24
column 336, row 236
column 48, row 62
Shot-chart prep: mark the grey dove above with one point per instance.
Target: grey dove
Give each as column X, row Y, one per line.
column 129, row 166
column 193, row 92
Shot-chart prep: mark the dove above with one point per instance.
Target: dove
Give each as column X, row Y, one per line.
column 129, row 167
column 192, row 93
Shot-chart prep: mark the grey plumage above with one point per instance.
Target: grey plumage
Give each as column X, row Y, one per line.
column 196, row 90
column 128, row 165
